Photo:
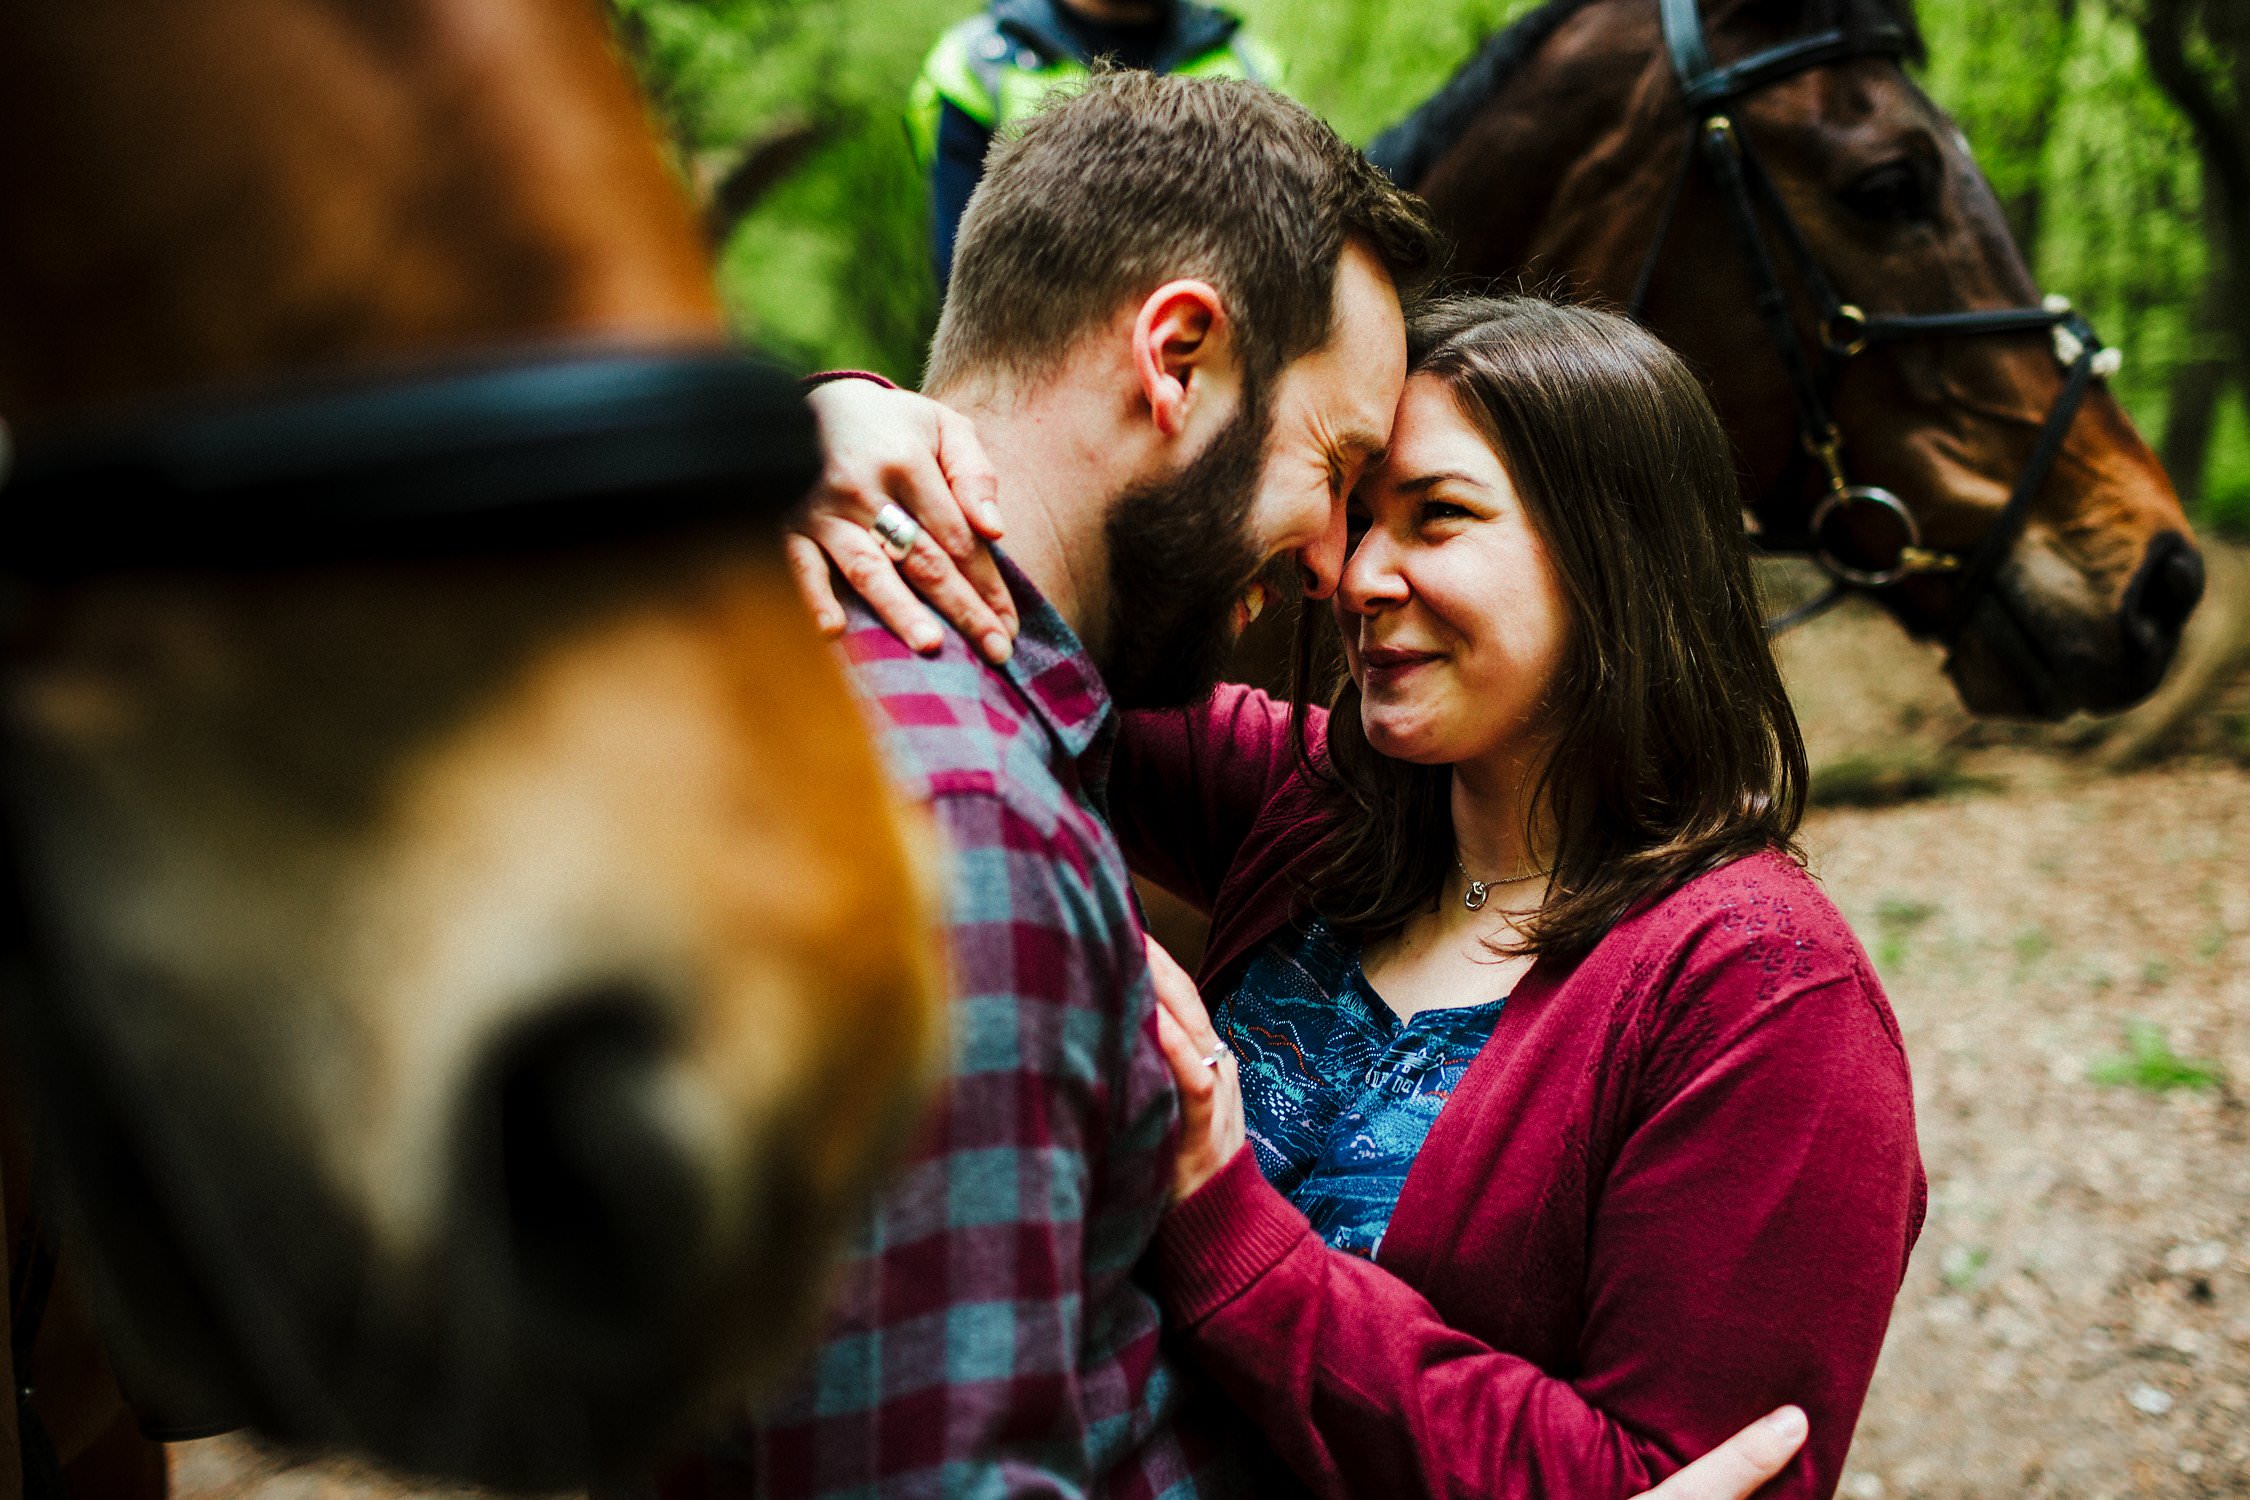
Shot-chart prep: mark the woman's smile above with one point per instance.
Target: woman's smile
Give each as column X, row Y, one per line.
column 1386, row 666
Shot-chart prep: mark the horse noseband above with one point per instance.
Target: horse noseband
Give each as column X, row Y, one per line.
column 494, row 456
column 1837, row 536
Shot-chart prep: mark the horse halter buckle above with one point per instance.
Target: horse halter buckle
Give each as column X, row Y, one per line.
column 1844, row 331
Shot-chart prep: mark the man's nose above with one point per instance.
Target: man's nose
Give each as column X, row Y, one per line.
column 1322, row 559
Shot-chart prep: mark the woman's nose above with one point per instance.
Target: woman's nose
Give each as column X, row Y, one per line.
column 1372, row 580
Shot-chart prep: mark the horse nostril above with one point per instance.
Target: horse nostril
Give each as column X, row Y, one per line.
column 2165, row 591
column 602, row 1201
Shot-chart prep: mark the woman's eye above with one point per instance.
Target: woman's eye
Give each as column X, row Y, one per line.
column 1899, row 192
column 1442, row 510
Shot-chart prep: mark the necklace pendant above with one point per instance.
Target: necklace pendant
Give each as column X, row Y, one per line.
column 1474, row 900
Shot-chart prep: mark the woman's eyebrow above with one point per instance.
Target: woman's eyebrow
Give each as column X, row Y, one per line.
column 1436, row 477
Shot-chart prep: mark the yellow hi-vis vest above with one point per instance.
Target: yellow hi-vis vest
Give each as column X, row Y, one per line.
column 997, row 79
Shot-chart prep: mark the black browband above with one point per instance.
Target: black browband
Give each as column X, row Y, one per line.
column 550, row 449
column 1844, row 331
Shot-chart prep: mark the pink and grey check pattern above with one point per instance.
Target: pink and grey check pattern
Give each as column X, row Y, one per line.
column 989, row 1339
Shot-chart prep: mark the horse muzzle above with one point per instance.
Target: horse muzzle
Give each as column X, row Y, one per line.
column 2018, row 653
column 607, row 1279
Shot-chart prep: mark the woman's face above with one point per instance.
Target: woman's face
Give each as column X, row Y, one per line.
column 1453, row 616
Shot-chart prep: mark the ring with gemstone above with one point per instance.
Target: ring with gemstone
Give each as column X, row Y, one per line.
column 1212, row 1058
column 896, row 530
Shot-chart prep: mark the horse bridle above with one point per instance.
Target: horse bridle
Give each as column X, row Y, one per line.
column 555, row 449
column 1844, row 330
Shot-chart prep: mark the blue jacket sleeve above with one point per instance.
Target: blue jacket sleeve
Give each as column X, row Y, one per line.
column 961, row 146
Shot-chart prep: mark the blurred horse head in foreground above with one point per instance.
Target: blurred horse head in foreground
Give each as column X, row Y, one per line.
column 472, row 968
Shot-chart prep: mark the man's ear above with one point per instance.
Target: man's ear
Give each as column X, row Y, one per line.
column 1183, row 351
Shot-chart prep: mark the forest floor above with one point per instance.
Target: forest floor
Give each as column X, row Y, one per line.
column 2068, row 951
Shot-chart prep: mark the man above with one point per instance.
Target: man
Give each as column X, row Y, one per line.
column 1197, row 384
column 993, row 69
column 991, row 1339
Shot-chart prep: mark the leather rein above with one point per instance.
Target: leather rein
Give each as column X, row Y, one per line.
column 1844, row 331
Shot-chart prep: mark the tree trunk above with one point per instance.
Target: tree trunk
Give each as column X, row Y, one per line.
column 2191, row 411
column 2191, row 416
column 2199, row 55
column 2025, row 211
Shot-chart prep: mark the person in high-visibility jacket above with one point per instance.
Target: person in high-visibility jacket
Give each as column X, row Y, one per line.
column 994, row 68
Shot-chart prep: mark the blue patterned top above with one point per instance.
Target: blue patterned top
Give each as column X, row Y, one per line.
column 1337, row 1091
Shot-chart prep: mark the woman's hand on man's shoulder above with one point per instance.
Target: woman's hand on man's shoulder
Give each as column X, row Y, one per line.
column 917, row 467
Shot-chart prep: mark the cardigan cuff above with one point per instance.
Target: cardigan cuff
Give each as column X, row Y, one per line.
column 824, row 377
column 1212, row 1245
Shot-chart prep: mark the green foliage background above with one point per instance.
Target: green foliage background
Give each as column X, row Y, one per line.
column 2097, row 169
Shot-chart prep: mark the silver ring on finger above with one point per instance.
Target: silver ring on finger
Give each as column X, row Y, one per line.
column 896, row 530
column 1215, row 1056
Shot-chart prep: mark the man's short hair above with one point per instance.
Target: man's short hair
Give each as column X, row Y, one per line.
column 1139, row 179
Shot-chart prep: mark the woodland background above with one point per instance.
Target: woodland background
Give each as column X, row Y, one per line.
column 2117, row 133
column 2060, row 914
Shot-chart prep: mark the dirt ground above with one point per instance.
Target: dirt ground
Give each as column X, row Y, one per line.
column 2069, row 955
column 2068, row 951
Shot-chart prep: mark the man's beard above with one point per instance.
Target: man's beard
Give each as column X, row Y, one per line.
column 1180, row 554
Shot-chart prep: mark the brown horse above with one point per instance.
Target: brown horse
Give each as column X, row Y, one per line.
column 1567, row 150
column 471, row 987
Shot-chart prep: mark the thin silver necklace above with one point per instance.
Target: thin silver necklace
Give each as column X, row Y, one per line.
column 1481, row 890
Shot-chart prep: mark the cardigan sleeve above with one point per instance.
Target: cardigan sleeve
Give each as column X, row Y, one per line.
column 1744, row 1252
column 1187, row 784
column 1357, row 1381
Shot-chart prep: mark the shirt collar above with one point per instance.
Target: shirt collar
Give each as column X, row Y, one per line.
column 1052, row 668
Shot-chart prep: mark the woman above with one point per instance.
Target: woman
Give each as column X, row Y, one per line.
column 1560, row 1125
column 1580, row 1127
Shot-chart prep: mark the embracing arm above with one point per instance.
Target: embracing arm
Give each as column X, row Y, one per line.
column 1749, row 1241
column 1356, row 1380
column 1188, row 784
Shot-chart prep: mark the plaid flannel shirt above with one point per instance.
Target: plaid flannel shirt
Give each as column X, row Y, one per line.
column 989, row 1338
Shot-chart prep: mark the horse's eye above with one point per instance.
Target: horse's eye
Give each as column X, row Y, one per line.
column 1898, row 192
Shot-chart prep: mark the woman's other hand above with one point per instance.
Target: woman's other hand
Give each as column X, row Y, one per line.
column 881, row 446
column 1737, row 1467
column 1204, row 1068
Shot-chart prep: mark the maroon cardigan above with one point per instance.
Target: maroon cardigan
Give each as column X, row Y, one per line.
column 1676, row 1190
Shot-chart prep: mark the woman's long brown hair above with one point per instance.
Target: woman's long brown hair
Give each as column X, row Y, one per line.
column 1672, row 744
